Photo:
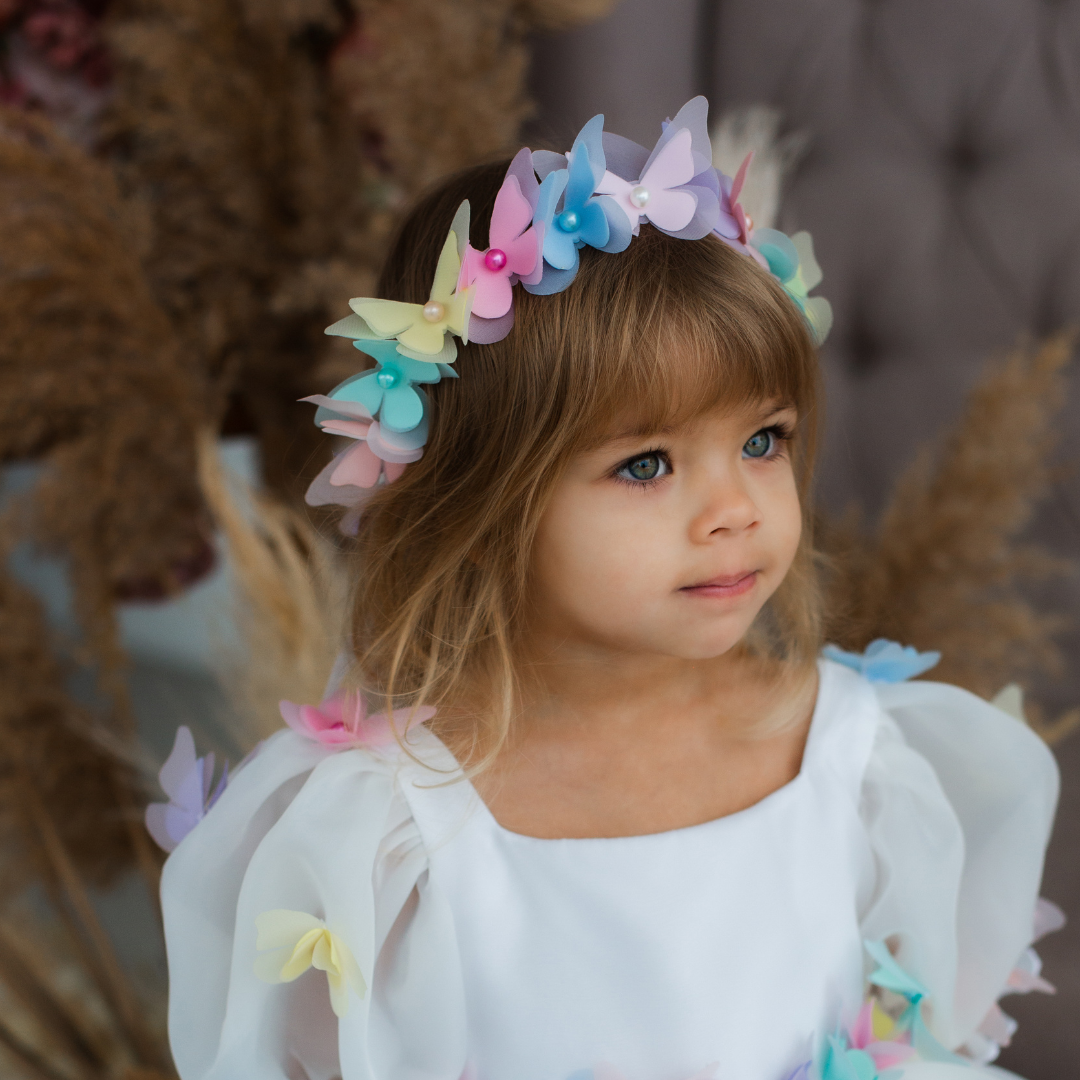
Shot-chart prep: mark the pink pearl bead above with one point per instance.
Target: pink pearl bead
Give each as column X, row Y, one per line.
column 495, row 260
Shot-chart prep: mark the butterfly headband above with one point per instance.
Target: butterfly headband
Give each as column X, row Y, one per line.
column 548, row 207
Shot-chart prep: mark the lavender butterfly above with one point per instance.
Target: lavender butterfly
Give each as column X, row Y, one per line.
column 187, row 780
column 675, row 187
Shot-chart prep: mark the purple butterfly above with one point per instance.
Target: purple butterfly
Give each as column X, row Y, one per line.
column 187, row 780
column 675, row 187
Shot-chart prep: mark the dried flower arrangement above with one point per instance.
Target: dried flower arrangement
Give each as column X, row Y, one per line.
column 187, row 189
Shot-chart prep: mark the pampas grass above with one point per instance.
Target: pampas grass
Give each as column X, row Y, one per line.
column 289, row 598
column 47, row 738
column 474, row 53
column 69, row 817
column 90, row 377
column 946, row 565
column 55, row 1022
column 756, row 129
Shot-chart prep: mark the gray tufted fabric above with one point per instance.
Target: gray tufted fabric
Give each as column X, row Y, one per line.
column 942, row 186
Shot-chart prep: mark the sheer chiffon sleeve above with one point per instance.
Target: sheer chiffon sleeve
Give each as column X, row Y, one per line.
column 958, row 801
column 317, row 845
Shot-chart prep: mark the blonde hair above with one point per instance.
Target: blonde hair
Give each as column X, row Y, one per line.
column 659, row 333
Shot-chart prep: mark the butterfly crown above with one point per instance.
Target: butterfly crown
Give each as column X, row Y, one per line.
column 548, row 207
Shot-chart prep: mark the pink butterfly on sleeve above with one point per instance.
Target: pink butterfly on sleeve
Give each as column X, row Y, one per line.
column 187, row 780
column 342, row 720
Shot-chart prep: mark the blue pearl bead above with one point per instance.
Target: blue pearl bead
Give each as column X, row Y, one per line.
column 387, row 378
column 567, row 221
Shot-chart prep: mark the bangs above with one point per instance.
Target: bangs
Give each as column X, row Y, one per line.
column 685, row 372
column 677, row 329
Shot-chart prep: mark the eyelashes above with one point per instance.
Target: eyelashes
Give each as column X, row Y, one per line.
column 782, row 432
column 779, row 435
column 646, row 469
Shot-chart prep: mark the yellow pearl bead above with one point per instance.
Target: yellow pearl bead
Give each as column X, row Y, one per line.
column 434, row 312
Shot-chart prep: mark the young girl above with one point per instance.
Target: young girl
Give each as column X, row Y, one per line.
column 616, row 816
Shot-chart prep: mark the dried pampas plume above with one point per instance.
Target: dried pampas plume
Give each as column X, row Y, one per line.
column 946, row 565
column 756, row 130
column 70, row 817
column 289, row 597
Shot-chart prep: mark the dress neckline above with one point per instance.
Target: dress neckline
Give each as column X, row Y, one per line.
column 467, row 798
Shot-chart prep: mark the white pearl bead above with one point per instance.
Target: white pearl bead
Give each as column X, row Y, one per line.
column 639, row 196
column 434, row 311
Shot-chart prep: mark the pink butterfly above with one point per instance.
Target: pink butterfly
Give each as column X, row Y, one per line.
column 655, row 195
column 733, row 214
column 513, row 252
column 351, row 477
column 363, row 464
column 187, row 780
column 342, row 720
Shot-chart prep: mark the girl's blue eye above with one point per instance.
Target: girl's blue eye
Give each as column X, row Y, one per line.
column 759, row 445
column 645, row 467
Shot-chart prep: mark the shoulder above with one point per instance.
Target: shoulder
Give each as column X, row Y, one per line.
column 282, row 771
column 319, row 835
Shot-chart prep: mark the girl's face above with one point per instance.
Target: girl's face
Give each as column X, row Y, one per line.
column 669, row 544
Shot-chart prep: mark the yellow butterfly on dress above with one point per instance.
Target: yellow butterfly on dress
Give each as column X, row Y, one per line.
column 423, row 331
column 290, row 942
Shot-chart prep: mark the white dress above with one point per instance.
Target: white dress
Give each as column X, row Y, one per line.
column 730, row 949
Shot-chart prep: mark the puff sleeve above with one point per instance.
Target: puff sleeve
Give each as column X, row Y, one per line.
column 958, row 801
column 327, row 834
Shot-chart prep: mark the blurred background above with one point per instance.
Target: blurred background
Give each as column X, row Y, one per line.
column 190, row 190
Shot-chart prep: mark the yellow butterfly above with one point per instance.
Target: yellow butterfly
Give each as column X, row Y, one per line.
column 290, row 942
column 423, row 331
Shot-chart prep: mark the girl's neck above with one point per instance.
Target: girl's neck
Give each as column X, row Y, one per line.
column 566, row 685
column 623, row 749
column 620, row 745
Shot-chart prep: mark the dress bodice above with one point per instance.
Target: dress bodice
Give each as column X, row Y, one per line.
column 662, row 954
column 440, row 946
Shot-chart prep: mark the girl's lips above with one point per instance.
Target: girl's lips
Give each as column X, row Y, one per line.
column 734, row 585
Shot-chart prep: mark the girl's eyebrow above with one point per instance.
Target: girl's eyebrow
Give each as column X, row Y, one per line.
column 641, row 431
column 771, row 409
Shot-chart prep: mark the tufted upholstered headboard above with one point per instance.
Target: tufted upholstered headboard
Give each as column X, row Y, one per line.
column 941, row 182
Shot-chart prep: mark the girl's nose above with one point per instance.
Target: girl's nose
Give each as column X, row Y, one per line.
column 727, row 507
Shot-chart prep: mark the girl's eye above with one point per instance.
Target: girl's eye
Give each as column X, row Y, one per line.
column 644, row 467
column 759, row 445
